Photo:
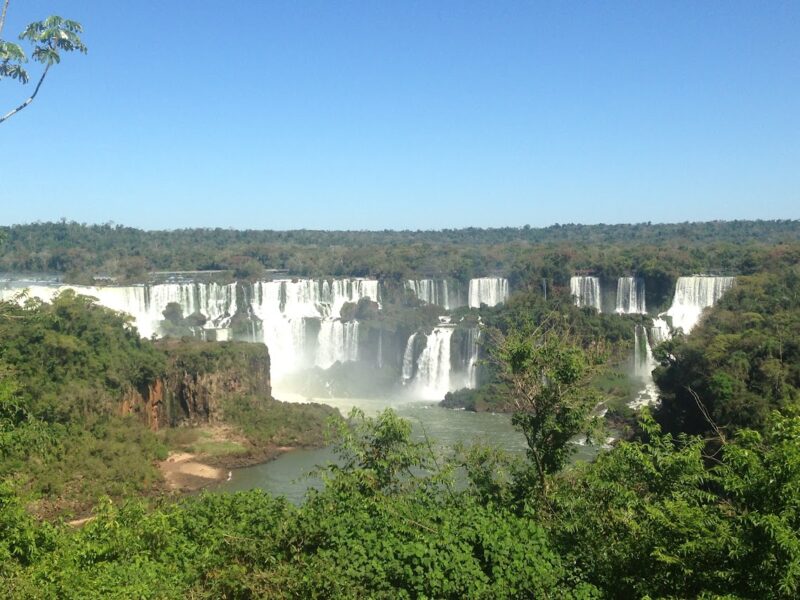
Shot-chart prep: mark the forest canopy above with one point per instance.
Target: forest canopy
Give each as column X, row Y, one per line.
column 523, row 254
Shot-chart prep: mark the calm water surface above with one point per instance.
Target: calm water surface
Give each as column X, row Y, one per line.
column 288, row 474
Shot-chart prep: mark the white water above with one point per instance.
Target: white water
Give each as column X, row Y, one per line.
column 340, row 291
column 432, row 380
column 490, row 291
column 146, row 303
column 337, row 342
column 643, row 365
column 630, row 296
column 284, row 307
column 692, row 295
column 659, row 332
column 408, row 359
column 472, row 364
column 431, row 291
column 586, row 291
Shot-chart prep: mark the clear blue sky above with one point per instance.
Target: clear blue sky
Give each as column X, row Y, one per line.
column 373, row 115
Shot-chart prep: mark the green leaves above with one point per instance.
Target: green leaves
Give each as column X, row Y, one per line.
column 51, row 36
column 11, row 59
column 546, row 375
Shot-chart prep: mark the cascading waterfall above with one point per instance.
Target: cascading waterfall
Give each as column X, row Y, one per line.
column 431, row 291
column 432, row 380
column 284, row 306
column 408, row 359
column 473, row 337
column 659, row 332
column 643, row 365
column 490, row 291
column 692, row 295
column 341, row 291
column 630, row 296
column 146, row 303
column 586, row 291
column 338, row 342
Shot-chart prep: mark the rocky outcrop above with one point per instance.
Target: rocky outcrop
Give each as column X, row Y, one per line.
column 198, row 378
column 148, row 404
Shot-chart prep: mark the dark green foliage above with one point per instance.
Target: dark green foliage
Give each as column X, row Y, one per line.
column 525, row 255
column 68, row 365
column 647, row 519
column 742, row 361
column 375, row 530
column 493, row 397
column 652, row 519
column 545, row 377
column 58, row 350
column 266, row 421
column 196, row 358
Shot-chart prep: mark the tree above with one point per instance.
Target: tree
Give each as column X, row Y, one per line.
column 546, row 375
column 49, row 38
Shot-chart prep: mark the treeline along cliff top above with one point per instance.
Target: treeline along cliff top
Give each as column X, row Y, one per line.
column 79, row 251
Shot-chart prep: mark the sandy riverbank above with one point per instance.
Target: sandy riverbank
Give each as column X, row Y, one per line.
column 187, row 470
column 183, row 472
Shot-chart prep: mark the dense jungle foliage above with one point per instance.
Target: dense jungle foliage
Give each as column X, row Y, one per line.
column 659, row 252
column 647, row 519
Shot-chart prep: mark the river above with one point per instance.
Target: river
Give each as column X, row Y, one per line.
column 444, row 427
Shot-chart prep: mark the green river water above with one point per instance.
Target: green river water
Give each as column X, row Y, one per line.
column 287, row 475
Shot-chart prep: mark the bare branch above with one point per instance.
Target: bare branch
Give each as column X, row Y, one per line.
column 3, row 15
column 30, row 99
column 706, row 415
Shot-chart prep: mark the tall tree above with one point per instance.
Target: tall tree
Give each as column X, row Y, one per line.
column 546, row 371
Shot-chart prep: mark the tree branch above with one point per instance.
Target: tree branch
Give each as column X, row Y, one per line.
column 3, row 15
column 30, row 99
column 706, row 415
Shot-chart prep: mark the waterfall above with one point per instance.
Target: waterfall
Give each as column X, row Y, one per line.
column 433, row 365
column 659, row 332
column 146, row 303
column 285, row 305
column 279, row 311
column 630, row 296
column 337, row 342
column 341, row 291
column 473, row 337
column 586, row 291
column 215, row 302
column 692, row 295
column 643, row 365
column 490, row 291
column 431, row 291
column 408, row 359
column 464, row 363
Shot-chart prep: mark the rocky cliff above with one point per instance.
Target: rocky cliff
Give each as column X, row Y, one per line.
column 199, row 376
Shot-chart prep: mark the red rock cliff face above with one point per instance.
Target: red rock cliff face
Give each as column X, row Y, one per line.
column 199, row 377
column 148, row 405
